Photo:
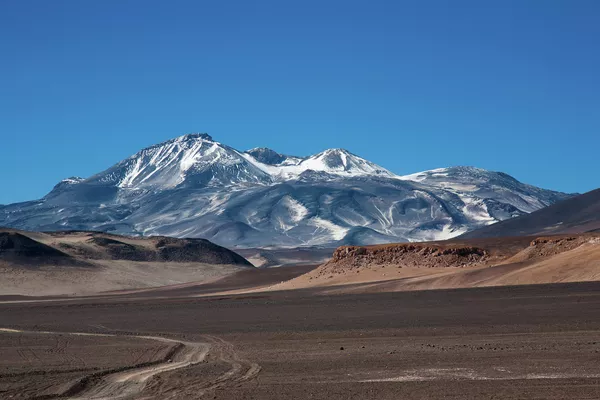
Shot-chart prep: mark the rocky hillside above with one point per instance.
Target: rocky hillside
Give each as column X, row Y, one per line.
column 578, row 214
column 417, row 255
column 457, row 263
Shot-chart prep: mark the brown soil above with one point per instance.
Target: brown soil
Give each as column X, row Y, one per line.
column 35, row 263
column 60, row 361
column 528, row 342
column 337, row 336
column 457, row 263
column 553, row 245
column 16, row 248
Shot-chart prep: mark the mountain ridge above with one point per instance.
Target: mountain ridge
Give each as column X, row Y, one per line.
column 579, row 214
column 194, row 186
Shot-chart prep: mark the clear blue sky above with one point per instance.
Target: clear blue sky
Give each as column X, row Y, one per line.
column 411, row 85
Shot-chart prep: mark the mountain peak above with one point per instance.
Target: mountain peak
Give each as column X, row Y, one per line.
column 266, row 155
column 194, row 136
column 192, row 160
column 72, row 180
column 343, row 161
column 187, row 140
column 336, row 150
column 65, row 184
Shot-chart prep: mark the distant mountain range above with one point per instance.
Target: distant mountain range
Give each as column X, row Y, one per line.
column 193, row 186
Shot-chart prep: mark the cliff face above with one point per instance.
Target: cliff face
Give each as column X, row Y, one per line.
column 349, row 258
column 406, row 261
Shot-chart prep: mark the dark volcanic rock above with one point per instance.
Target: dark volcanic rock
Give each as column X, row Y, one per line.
column 12, row 243
column 15, row 247
column 267, row 156
column 196, row 250
column 123, row 251
column 168, row 249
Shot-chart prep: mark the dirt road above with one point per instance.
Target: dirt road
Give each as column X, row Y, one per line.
column 108, row 385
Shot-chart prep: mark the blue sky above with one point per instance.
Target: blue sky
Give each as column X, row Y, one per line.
column 411, row 85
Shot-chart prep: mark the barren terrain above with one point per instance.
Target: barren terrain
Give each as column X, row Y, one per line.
column 359, row 326
column 458, row 263
column 80, row 263
column 534, row 342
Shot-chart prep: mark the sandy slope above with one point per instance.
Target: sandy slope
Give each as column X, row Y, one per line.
column 40, row 264
column 112, row 275
column 561, row 259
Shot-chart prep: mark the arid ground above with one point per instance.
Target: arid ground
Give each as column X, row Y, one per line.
column 79, row 263
column 512, row 318
column 512, row 342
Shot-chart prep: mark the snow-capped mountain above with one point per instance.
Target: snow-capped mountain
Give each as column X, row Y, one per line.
column 271, row 157
column 194, row 186
column 334, row 162
column 188, row 161
column 64, row 184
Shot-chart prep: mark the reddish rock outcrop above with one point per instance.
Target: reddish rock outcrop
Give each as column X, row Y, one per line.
column 347, row 258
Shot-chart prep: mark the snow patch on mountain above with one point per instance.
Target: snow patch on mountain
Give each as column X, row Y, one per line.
column 72, row 180
column 342, row 162
column 334, row 162
column 421, row 176
column 476, row 210
column 336, row 232
column 288, row 212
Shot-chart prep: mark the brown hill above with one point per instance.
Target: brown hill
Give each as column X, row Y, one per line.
column 575, row 215
column 157, row 248
column 18, row 248
column 457, row 263
column 91, row 262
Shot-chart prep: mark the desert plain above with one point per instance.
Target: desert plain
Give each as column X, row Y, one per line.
column 482, row 319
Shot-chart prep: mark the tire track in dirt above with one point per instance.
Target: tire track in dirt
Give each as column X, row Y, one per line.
column 132, row 381
column 240, row 370
column 190, row 386
column 229, row 355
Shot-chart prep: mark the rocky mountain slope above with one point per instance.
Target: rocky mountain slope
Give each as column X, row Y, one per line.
column 194, row 186
column 575, row 215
